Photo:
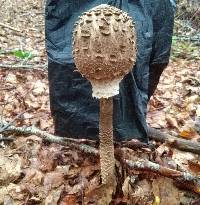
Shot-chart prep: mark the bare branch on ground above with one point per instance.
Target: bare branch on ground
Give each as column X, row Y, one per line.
column 186, row 179
column 178, row 143
column 77, row 144
column 19, row 66
column 9, row 27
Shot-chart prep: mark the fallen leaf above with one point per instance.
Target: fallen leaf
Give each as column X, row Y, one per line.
column 194, row 166
column 53, row 180
column 69, row 199
column 39, row 88
column 172, row 122
column 11, row 78
column 10, row 168
column 3, row 193
column 198, row 111
column 17, row 192
column 187, row 134
column 156, row 200
column 53, row 196
column 47, row 159
column 168, row 194
column 33, row 176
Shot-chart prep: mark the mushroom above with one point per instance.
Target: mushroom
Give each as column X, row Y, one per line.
column 104, row 52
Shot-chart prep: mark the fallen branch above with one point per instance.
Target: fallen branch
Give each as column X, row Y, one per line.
column 6, row 139
column 77, row 144
column 189, row 181
column 19, row 66
column 10, row 27
column 134, row 145
column 181, row 144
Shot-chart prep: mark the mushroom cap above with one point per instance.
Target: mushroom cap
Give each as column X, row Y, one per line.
column 104, row 48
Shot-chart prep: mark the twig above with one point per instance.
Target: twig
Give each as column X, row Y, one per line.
column 6, row 139
column 133, row 144
column 181, row 144
column 4, row 127
column 10, row 27
column 19, row 66
column 195, row 39
column 50, row 138
column 8, row 88
column 189, row 181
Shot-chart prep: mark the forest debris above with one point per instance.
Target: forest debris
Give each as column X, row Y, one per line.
column 53, row 196
column 140, row 165
column 20, row 66
column 69, row 199
column 141, row 193
column 10, row 168
column 175, row 142
column 33, row 176
column 194, row 166
column 49, row 137
column 168, row 194
column 39, row 88
column 9, row 27
column 53, row 180
column 186, row 179
column 172, row 121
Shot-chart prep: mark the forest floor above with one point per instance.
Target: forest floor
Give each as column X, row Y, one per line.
column 36, row 172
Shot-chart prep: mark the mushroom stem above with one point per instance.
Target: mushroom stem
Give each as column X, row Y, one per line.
column 107, row 159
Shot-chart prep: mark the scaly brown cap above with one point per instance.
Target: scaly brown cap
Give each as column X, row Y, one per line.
column 104, row 48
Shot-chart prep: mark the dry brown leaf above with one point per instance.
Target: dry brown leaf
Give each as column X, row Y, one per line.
column 3, row 193
column 142, row 194
column 69, row 199
column 53, row 180
column 172, row 122
column 11, row 78
column 47, row 159
column 12, row 194
column 80, row 186
column 44, row 124
column 54, row 196
column 10, row 168
column 188, row 134
column 87, row 171
column 33, row 176
column 92, row 184
column 102, row 195
column 39, row 88
column 194, row 166
column 166, row 191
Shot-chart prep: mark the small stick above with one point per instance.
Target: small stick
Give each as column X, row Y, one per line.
column 34, row 66
column 189, row 181
column 49, row 137
column 10, row 27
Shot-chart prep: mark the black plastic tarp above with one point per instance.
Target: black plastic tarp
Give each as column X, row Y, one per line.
column 73, row 108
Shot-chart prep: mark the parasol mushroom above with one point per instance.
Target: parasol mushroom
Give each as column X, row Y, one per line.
column 104, row 52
